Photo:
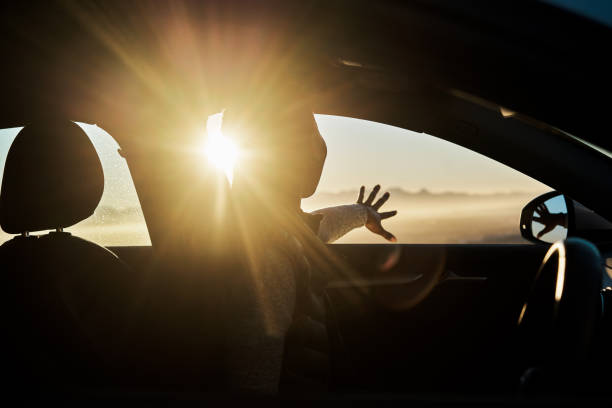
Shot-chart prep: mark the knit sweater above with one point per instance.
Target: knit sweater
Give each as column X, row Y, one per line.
column 280, row 331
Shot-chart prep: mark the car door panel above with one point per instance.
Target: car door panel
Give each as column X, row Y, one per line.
column 468, row 300
column 420, row 317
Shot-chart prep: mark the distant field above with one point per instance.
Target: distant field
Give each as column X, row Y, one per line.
column 423, row 218
column 109, row 226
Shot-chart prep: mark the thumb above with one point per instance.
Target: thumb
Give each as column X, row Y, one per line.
column 387, row 235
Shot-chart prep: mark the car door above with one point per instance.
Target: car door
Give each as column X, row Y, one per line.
column 437, row 311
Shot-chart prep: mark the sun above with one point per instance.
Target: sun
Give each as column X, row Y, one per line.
column 221, row 151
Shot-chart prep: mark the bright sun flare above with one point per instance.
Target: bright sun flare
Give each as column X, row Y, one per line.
column 222, row 152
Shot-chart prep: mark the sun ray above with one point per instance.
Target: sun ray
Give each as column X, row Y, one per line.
column 220, row 150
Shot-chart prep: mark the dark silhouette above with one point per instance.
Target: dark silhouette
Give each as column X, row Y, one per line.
column 373, row 222
column 548, row 219
column 279, row 337
column 65, row 299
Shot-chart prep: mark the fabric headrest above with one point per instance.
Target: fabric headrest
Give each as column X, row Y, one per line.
column 52, row 178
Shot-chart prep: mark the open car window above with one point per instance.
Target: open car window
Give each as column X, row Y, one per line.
column 444, row 193
column 118, row 220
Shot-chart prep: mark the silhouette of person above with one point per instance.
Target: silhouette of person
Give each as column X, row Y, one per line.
column 278, row 339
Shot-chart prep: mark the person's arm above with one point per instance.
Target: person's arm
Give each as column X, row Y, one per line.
column 340, row 220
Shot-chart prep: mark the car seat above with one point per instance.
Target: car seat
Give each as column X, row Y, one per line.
column 66, row 300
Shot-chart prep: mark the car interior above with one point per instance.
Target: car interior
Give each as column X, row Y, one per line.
column 426, row 323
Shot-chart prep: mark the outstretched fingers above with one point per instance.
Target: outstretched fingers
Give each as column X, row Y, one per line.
column 388, row 214
column 542, row 210
column 538, row 210
column 361, row 194
column 381, row 201
column 372, row 195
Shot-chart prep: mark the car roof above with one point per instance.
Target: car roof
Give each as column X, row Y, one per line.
column 533, row 58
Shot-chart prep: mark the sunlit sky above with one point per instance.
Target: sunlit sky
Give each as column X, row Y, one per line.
column 359, row 153
column 362, row 152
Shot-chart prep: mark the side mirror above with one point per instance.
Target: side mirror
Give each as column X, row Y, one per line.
column 547, row 218
column 554, row 216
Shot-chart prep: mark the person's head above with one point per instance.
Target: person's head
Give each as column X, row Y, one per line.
column 283, row 151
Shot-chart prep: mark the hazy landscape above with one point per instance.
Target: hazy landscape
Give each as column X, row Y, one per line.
column 109, row 226
column 423, row 217
column 446, row 217
column 483, row 206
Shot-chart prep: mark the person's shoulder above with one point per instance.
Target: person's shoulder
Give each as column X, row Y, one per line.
column 312, row 220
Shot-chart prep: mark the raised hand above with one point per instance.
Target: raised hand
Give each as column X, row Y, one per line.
column 550, row 221
column 374, row 221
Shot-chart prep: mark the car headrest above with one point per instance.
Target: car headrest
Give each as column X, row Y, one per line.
column 52, row 178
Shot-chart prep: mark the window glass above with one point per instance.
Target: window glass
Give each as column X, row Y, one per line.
column 444, row 193
column 118, row 219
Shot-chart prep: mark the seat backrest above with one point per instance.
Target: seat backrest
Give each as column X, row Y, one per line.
column 66, row 301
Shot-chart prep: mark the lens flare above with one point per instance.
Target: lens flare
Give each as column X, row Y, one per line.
column 221, row 151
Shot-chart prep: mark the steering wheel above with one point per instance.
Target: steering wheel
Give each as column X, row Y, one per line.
column 558, row 319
